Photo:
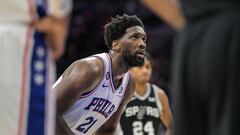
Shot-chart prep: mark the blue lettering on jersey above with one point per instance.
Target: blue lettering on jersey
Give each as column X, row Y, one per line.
column 102, row 106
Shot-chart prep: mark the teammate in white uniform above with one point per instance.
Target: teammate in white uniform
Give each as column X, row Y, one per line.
column 93, row 92
column 26, row 70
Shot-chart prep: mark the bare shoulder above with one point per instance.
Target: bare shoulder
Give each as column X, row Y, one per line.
column 166, row 115
column 162, row 96
column 161, row 93
column 83, row 74
column 81, row 77
column 90, row 66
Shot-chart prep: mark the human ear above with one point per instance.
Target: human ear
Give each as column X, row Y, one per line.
column 115, row 45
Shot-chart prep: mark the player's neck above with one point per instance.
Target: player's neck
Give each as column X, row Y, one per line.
column 141, row 88
column 118, row 67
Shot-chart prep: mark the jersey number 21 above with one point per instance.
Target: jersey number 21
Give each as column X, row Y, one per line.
column 87, row 124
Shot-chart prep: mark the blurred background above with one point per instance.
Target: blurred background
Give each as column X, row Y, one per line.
column 86, row 35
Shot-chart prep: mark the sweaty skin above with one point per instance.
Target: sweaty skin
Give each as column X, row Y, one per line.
column 83, row 75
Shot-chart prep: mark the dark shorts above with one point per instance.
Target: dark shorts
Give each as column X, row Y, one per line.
column 206, row 77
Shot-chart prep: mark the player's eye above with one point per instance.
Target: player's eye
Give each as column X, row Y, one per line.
column 134, row 37
column 144, row 39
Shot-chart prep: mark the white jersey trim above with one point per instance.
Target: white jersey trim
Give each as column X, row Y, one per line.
column 84, row 95
column 146, row 95
column 158, row 101
column 110, row 69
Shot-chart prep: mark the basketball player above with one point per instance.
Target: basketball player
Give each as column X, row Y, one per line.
column 149, row 108
column 32, row 33
column 93, row 92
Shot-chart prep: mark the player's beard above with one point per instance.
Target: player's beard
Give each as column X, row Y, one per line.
column 131, row 59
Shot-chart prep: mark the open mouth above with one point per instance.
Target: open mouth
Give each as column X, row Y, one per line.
column 140, row 54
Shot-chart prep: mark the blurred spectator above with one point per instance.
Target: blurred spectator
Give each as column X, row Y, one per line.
column 32, row 36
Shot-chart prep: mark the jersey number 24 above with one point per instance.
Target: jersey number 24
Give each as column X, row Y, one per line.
column 139, row 128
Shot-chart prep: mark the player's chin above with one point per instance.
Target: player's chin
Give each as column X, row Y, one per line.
column 139, row 61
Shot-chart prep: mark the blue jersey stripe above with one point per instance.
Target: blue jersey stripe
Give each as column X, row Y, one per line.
column 41, row 8
column 38, row 76
column 36, row 114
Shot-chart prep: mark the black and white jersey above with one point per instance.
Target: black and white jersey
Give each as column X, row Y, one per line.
column 142, row 114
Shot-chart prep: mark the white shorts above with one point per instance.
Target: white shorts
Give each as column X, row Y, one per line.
column 26, row 76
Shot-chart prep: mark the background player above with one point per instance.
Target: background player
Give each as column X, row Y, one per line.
column 92, row 92
column 32, row 33
column 149, row 108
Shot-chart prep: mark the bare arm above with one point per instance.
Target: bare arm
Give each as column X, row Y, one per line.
column 79, row 78
column 62, row 127
column 168, row 10
column 166, row 115
column 110, row 126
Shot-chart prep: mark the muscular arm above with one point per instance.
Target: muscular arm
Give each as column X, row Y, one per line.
column 81, row 77
column 110, row 126
column 61, row 126
column 166, row 115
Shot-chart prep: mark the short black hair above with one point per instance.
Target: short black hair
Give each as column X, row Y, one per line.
column 116, row 28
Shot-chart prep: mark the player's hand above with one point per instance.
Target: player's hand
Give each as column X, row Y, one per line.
column 55, row 31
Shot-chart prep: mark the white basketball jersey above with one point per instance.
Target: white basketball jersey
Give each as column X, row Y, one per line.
column 15, row 10
column 24, row 11
column 93, row 109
